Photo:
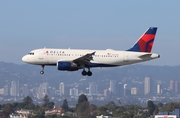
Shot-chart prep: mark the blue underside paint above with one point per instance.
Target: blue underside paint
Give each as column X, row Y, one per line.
column 101, row 65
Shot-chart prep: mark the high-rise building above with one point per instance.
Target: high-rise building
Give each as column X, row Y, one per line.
column 113, row 87
column 106, row 92
column 176, row 86
column 14, row 90
column 61, row 88
column 25, row 90
column 147, row 86
column 171, row 86
column 159, row 89
column 42, row 90
column 6, row 90
column 93, row 88
column 2, row 91
column 134, row 91
column 120, row 90
column 74, row 92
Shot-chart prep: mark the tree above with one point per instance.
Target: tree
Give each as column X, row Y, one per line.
column 170, row 106
column 28, row 103
column 40, row 113
column 83, row 109
column 151, row 108
column 8, row 109
column 65, row 105
column 111, row 106
column 46, row 103
column 82, row 98
column 93, row 109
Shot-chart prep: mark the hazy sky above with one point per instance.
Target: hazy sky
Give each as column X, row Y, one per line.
column 94, row 24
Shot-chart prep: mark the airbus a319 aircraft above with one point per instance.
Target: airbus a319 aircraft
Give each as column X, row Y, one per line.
column 75, row 59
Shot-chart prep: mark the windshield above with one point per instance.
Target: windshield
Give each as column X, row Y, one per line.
column 31, row 53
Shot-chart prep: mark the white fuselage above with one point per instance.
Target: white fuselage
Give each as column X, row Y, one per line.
column 101, row 58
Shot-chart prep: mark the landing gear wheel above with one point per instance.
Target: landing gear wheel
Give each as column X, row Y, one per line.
column 84, row 73
column 89, row 73
column 41, row 72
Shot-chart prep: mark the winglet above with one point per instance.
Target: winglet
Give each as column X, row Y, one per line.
column 145, row 42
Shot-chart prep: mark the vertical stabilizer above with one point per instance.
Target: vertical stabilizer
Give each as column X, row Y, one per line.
column 145, row 42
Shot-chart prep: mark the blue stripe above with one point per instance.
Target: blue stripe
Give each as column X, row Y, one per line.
column 101, row 65
column 147, row 44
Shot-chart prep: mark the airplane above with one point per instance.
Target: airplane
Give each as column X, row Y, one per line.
column 75, row 59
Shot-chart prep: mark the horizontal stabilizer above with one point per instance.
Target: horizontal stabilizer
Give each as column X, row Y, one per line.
column 145, row 56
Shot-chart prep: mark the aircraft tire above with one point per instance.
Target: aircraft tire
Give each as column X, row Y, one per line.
column 89, row 73
column 84, row 73
column 41, row 72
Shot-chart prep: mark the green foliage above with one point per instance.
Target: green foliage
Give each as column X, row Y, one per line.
column 27, row 103
column 86, row 110
column 82, row 98
column 83, row 109
column 151, row 108
column 40, row 113
column 8, row 109
column 46, row 103
column 111, row 106
column 93, row 110
column 65, row 105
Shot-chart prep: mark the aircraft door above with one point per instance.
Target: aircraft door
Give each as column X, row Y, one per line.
column 41, row 54
column 126, row 57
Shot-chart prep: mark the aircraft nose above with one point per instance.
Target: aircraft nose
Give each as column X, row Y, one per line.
column 24, row 59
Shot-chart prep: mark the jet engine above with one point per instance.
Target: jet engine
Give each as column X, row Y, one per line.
column 67, row 65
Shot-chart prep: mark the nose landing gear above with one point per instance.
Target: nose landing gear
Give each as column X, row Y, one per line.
column 42, row 71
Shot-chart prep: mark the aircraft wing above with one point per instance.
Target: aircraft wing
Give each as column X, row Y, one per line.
column 84, row 60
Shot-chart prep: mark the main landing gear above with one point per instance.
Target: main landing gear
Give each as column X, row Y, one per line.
column 42, row 71
column 88, row 73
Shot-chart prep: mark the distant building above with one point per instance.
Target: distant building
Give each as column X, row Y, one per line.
column 171, row 85
column 147, row 86
column 174, row 114
column 93, row 88
column 15, row 116
column 23, row 113
column 120, row 90
column 159, row 89
column 2, row 91
column 73, row 92
column 176, row 87
column 25, row 90
column 106, row 92
column 103, row 116
column 55, row 111
column 127, row 91
column 6, row 90
column 61, row 88
column 42, row 90
column 14, row 90
column 134, row 91
column 113, row 86
column 165, row 116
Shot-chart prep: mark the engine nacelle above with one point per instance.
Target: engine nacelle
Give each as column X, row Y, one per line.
column 67, row 65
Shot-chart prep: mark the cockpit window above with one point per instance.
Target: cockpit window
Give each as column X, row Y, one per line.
column 31, row 53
